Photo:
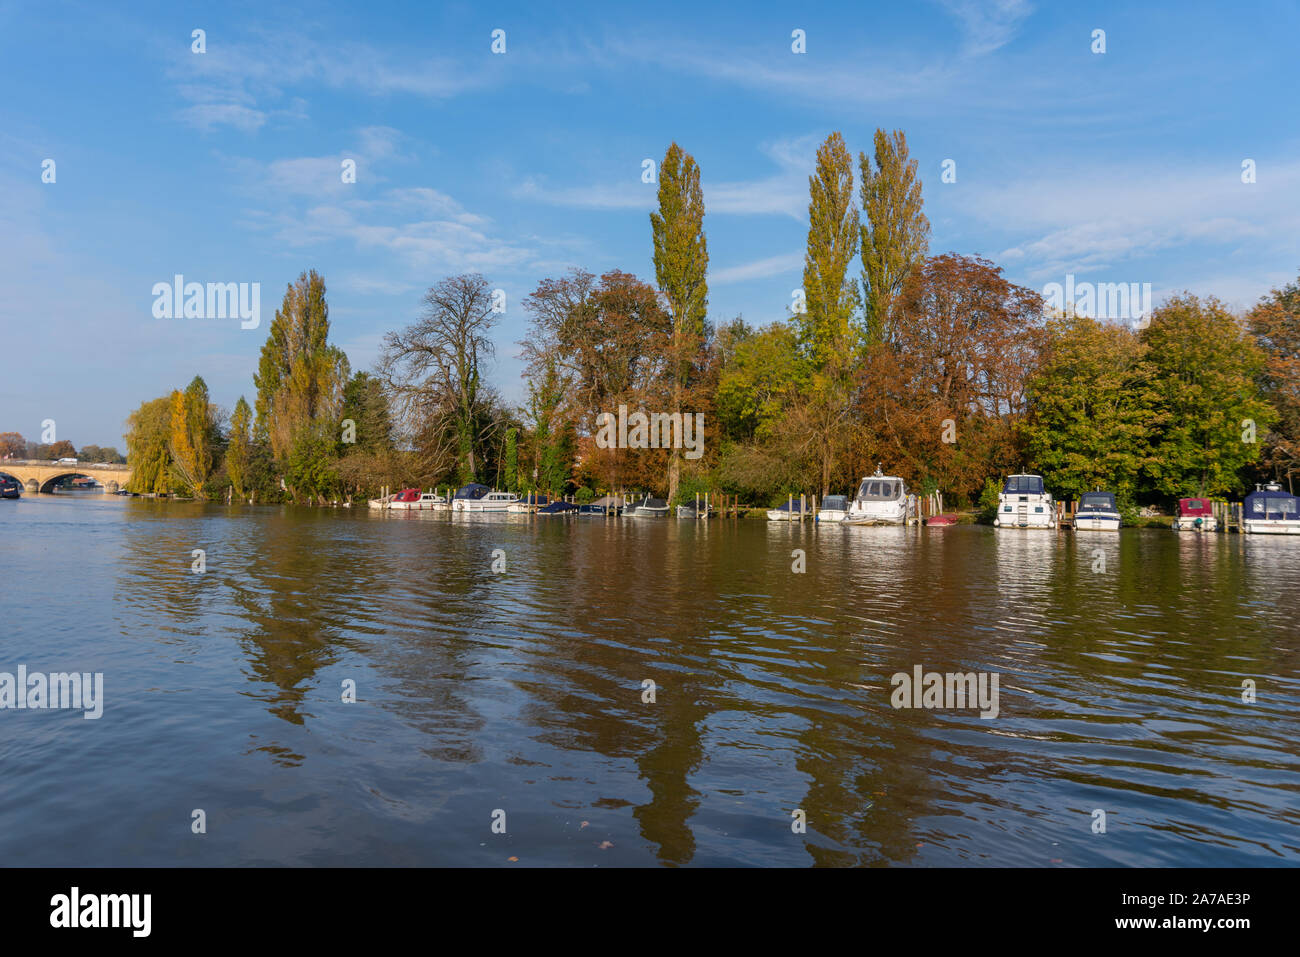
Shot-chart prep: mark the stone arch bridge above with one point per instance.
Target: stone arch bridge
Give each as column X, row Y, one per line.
column 37, row 476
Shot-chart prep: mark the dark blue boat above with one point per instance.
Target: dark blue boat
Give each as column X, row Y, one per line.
column 558, row 508
column 1271, row 511
column 471, row 491
column 10, row 488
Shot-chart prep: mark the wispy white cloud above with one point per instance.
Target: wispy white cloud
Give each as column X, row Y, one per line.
column 1108, row 217
column 758, row 269
column 234, row 82
column 988, row 25
column 782, row 193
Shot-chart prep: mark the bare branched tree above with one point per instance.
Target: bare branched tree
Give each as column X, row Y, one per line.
column 433, row 372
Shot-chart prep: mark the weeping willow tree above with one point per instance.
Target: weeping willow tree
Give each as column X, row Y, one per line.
column 148, row 452
column 300, row 382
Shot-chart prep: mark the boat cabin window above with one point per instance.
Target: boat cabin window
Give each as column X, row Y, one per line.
column 877, row 490
column 1024, row 485
column 1273, row 506
column 1103, row 500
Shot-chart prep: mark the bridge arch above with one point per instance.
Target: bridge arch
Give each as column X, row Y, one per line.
column 48, row 483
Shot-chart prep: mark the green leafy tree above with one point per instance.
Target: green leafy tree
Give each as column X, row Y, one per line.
column 757, row 383
column 366, row 404
column 1275, row 324
column 681, row 261
column 1092, row 409
column 311, row 468
column 895, row 231
column 1209, row 410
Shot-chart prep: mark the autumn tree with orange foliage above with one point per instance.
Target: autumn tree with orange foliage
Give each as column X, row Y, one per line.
column 940, row 401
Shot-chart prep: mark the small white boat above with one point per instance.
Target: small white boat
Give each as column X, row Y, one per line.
column 491, row 502
column 881, row 500
column 1025, row 503
column 1270, row 511
column 1195, row 515
column 411, row 500
column 834, row 508
column 788, row 511
column 648, row 508
column 529, row 503
column 1098, row 512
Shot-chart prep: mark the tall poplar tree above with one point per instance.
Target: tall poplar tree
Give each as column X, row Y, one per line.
column 681, row 260
column 300, row 376
column 239, row 453
column 831, row 298
column 895, row 232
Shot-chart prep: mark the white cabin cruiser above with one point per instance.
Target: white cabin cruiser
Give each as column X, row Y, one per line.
column 1024, row 503
column 1270, row 511
column 881, row 500
column 1097, row 511
column 491, row 502
column 411, row 500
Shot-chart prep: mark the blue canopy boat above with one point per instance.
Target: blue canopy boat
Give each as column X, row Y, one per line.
column 1270, row 511
column 1097, row 512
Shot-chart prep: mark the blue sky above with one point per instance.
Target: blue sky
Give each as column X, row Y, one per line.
column 225, row 166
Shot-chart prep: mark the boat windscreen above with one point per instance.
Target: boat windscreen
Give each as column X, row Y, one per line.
column 835, row 502
column 876, row 491
column 1271, row 505
column 1102, row 500
column 1023, row 485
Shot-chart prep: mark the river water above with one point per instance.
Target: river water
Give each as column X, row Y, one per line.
column 517, row 696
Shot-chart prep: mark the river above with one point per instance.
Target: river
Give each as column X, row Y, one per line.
column 513, row 698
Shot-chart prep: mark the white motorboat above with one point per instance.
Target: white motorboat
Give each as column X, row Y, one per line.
column 834, row 508
column 491, row 502
column 1270, row 511
column 1098, row 512
column 790, row 510
column 881, row 500
column 411, row 500
column 648, row 508
column 1025, row 503
column 529, row 503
